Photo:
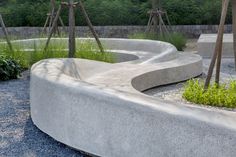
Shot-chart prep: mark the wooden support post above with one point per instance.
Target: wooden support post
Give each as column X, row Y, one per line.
column 62, row 24
column 219, row 57
column 46, row 22
column 90, row 25
column 168, row 21
column 53, row 27
column 72, row 47
column 234, row 28
column 155, row 18
column 149, row 23
column 52, row 16
column 5, row 33
column 218, row 46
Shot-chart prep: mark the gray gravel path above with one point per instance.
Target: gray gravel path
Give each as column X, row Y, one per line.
column 174, row 92
column 18, row 136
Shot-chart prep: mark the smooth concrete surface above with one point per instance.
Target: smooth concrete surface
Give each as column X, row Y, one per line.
column 206, row 45
column 98, row 107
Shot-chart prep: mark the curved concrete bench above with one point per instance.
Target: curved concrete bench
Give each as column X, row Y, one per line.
column 97, row 107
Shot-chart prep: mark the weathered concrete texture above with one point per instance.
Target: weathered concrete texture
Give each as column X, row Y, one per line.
column 207, row 42
column 192, row 31
column 97, row 107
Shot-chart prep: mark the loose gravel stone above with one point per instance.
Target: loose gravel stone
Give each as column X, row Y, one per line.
column 19, row 137
column 174, row 92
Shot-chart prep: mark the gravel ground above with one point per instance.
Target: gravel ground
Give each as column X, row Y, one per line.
column 18, row 136
column 174, row 92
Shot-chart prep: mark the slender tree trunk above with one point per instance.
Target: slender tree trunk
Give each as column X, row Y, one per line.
column 234, row 27
column 155, row 5
column 218, row 47
column 71, row 29
column 53, row 27
column 5, row 33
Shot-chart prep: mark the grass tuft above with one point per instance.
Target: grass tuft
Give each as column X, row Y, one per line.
column 26, row 58
column 176, row 39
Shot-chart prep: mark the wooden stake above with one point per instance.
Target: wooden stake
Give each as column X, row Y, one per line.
column 218, row 47
column 5, row 33
column 219, row 56
column 52, row 15
column 53, row 27
column 46, row 22
column 50, row 18
column 90, row 25
column 234, row 28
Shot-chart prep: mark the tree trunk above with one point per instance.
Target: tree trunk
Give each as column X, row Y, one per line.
column 218, row 47
column 5, row 33
column 71, row 30
column 155, row 5
column 234, row 28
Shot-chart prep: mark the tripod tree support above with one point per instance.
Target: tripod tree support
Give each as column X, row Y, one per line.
column 5, row 33
column 218, row 48
column 156, row 22
column 50, row 19
column 72, row 46
column 90, row 25
column 52, row 28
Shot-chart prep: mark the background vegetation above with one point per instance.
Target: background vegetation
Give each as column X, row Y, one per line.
column 26, row 57
column 114, row 12
column 176, row 39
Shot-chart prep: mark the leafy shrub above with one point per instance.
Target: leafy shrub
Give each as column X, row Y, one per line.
column 115, row 12
column 177, row 39
column 220, row 96
column 9, row 68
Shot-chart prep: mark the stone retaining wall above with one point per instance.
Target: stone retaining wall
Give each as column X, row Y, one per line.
column 191, row 31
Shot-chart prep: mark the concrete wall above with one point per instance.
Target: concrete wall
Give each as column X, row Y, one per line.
column 206, row 45
column 192, row 31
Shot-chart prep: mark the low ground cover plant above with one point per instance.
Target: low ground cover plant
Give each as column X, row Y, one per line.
column 223, row 95
column 9, row 68
column 176, row 39
column 28, row 56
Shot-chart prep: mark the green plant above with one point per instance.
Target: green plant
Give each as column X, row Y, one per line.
column 223, row 95
column 177, row 39
column 9, row 68
column 150, row 36
column 27, row 56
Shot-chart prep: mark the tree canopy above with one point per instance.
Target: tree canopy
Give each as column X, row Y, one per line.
column 114, row 12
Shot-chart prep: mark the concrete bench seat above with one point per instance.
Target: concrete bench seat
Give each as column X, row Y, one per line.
column 206, row 45
column 98, row 107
